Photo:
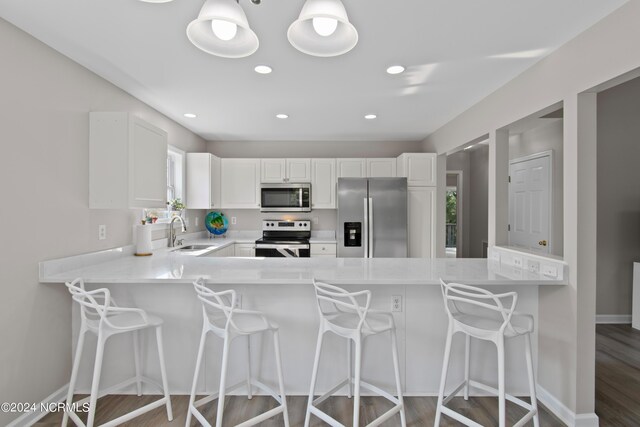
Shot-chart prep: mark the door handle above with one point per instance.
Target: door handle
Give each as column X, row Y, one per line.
column 542, row 243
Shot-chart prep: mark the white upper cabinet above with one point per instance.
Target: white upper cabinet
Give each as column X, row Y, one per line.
column 323, row 183
column 273, row 170
column 419, row 169
column 298, row 170
column 240, row 183
column 285, row 170
column 127, row 162
column 203, row 181
column 351, row 168
column 381, row 168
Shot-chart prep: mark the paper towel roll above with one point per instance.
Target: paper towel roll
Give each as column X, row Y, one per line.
column 143, row 240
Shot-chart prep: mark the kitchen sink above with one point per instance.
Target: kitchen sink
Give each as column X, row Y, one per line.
column 195, row 248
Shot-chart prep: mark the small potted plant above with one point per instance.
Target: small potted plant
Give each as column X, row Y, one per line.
column 177, row 206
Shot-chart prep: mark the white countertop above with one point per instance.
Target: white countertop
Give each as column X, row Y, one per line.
column 168, row 266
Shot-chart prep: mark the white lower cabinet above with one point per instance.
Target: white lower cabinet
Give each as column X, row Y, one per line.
column 227, row 251
column 327, row 250
column 245, row 250
column 421, row 226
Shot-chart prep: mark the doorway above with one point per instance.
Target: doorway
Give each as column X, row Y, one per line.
column 453, row 233
column 530, row 202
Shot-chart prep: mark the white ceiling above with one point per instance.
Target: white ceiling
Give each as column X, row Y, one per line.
column 456, row 52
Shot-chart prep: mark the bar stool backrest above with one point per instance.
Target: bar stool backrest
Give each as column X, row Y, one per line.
column 333, row 300
column 218, row 307
column 461, row 300
column 94, row 305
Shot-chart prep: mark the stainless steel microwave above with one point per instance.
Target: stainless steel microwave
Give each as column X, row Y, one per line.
column 285, row 197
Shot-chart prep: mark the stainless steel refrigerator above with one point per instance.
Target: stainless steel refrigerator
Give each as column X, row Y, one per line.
column 372, row 218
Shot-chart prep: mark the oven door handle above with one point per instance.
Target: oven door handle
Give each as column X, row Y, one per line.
column 289, row 253
column 295, row 247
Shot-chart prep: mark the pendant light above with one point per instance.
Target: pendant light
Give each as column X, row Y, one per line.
column 323, row 29
column 222, row 29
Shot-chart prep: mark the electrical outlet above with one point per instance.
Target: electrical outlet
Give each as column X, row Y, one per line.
column 396, row 303
column 102, row 232
column 550, row 270
column 233, row 220
column 196, row 221
column 238, row 301
column 533, row 266
column 517, row 261
column 315, row 220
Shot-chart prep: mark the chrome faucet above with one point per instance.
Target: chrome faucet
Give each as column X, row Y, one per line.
column 172, row 232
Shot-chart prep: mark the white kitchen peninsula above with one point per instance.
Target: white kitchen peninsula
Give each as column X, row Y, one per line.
column 282, row 289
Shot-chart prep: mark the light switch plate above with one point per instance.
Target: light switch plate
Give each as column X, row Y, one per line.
column 233, row 220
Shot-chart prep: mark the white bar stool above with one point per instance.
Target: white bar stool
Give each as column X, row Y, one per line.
column 224, row 320
column 342, row 314
column 101, row 316
column 481, row 314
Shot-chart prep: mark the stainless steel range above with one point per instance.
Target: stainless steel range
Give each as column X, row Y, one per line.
column 284, row 239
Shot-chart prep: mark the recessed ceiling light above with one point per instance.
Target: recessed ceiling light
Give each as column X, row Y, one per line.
column 282, row 116
column 190, row 115
column 370, row 116
column 395, row 69
column 263, row 69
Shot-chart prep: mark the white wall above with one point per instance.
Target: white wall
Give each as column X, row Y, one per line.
column 266, row 149
column 602, row 53
column 545, row 137
column 44, row 128
column 618, row 196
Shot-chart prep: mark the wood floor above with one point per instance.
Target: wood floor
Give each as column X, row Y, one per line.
column 617, row 398
column 420, row 411
column 618, row 375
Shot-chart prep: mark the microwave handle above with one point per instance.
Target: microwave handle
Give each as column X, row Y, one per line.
column 300, row 196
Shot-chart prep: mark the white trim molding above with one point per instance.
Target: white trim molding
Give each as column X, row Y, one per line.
column 30, row 418
column 566, row 415
column 613, row 319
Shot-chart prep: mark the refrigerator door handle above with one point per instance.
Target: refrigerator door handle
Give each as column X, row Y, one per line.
column 366, row 228
column 370, row 227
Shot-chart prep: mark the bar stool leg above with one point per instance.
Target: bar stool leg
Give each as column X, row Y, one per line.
column 249, row 392
column 532, row 380
column 501, row 390
column 443, row 378
column 223, row 379
column 163, row 372
column 74, row 376
column 192, row 398
column 467, row 353
column 396, row 369
column 136, row 361
column 356, row 394
column 314, row 377
column 97, row 368
column 276, row 344
column 349, row 370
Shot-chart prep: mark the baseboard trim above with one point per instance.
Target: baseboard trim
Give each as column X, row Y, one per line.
column 30, row 418
column 613, row 319
column 566, row 415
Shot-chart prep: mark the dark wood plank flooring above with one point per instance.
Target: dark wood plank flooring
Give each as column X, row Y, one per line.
column 617, row 398
column 618, row 375
column 420, row 411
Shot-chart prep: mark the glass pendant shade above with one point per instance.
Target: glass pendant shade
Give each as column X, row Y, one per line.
column 313, row 33
column 222, row 29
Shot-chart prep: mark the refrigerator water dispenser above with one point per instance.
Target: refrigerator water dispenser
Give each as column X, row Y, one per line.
column 353, row 234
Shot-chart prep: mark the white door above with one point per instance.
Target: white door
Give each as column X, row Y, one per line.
column 530, row 203
column 323, row 183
